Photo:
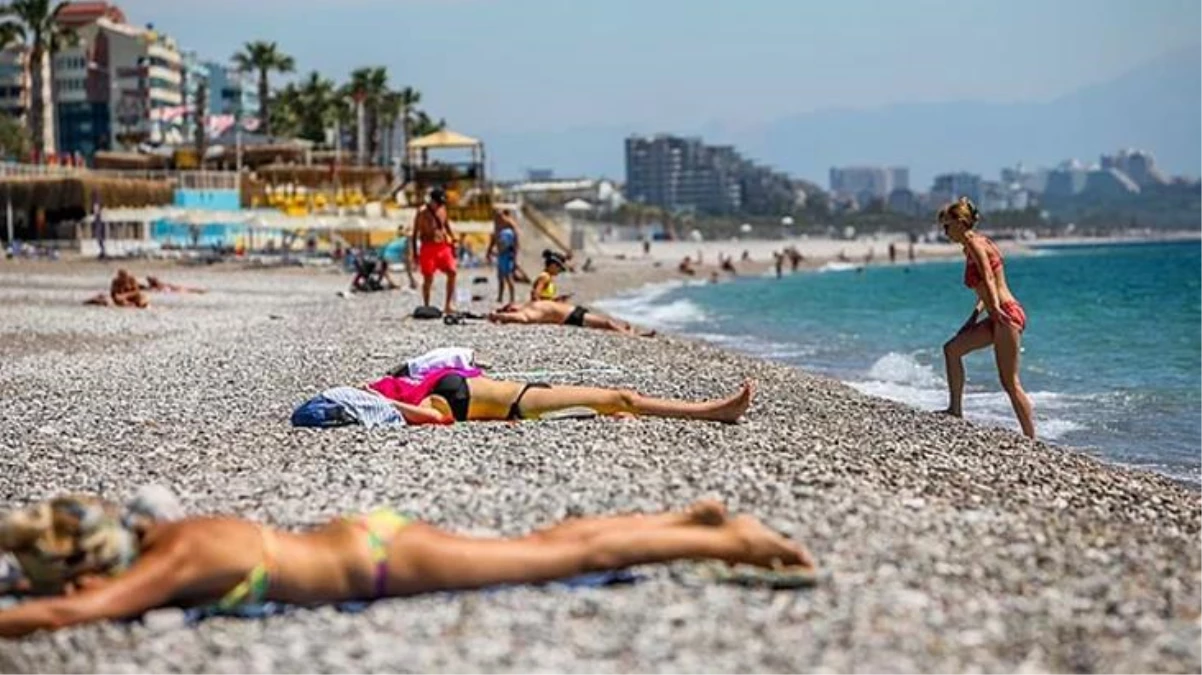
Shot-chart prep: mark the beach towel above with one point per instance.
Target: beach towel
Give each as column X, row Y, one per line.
column 342, row 406
column 263, row 610
column 435, row 359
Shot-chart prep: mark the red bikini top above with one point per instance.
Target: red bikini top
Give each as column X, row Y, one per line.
column 972, row 275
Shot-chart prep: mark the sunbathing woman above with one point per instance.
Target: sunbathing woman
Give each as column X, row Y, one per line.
column 555, row 312
column 123, row 567
column 449, row 395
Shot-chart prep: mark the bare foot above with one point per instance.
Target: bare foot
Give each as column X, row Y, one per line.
column 953, row 413
column 764, row 547
column 708, row 512
column 647, row 333
column 733, row 408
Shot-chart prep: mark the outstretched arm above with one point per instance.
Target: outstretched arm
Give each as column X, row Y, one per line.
column 152, row 582
column 418, row 415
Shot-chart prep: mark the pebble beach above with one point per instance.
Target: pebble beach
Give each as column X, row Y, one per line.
column 944, row 546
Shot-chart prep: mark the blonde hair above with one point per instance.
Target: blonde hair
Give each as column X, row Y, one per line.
column 57, row 540
column 961, row 210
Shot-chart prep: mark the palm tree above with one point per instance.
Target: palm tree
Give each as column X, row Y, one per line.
column 37, row 23
column 368, row 87
column 318, row 106
column 423, row 125
column 283, row 115
column 409, row 98
column 390, row 109
column 263, row 58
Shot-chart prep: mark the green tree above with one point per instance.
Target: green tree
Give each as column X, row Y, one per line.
column 318, row 105
column 408, row 98
column 264, row 58
column 14, row 138
column 371, row 86
column 423, row 125
column 36, row 22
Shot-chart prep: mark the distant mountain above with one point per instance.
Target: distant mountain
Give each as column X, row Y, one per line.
column 1157, row 107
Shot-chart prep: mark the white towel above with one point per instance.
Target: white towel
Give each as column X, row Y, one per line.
column 443, row 357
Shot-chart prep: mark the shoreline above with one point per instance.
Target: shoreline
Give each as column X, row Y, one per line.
column 949, row 546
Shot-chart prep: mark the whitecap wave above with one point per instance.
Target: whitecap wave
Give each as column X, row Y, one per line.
column 902, row 378
column 646, row 307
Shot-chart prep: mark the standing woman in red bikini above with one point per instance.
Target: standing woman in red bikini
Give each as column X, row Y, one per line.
column 984, row 273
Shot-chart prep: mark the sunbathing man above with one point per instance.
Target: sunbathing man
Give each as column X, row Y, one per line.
column 555, row 312
column 122, row 566
column 123, row 292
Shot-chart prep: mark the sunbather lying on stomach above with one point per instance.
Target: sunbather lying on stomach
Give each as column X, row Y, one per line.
column 123, row 567
column 555, row 312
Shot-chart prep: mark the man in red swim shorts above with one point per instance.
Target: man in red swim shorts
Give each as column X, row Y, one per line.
column 433, row 245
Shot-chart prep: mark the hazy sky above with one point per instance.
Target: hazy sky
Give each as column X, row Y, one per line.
column 527, row 64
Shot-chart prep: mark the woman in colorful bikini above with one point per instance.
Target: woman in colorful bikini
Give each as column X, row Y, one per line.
column 121, row 567
column 452, row 395
column 984, row 273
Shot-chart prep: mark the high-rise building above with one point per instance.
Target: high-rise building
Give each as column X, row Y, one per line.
column 231, row 91
column 1138, row 165
column 951, row 186
column 865, row 183
column 113, row 87
column 14, row 82
column 678, row 174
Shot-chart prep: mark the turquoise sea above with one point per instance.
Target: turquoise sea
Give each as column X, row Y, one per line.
column 1111, row 355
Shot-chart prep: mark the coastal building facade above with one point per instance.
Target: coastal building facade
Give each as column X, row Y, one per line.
column 866, row 183
column 685, row 174
column 231, row 92
column 112, row 86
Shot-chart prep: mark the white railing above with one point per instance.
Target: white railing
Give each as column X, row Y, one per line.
column 190, row 180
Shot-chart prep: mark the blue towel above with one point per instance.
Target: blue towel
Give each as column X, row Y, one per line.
column 262, row 610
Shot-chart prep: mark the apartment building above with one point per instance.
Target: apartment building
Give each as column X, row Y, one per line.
column 685, row 174
column 865, row 183
column 14, row 82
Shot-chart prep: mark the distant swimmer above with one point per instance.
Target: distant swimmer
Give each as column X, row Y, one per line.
column 984, row 273
column 433, row 246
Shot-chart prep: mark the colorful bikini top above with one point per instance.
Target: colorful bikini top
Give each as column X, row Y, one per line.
column 549, row 291
column 972, row 275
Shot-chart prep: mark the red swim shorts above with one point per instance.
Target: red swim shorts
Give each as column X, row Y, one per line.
column 436, row 256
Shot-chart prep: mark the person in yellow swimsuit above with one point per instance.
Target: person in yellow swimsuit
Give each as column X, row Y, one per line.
column 121, row 567
column 544, row 284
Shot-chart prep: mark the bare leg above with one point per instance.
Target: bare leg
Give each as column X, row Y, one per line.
column 1006, row 342
column 425, row 559
column 977, row 337
column 613, row 401
column 427, row 284
column 707, row 512
column 448, row 306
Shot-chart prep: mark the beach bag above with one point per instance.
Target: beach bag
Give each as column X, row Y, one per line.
column 427, row 312
column 321, row 412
